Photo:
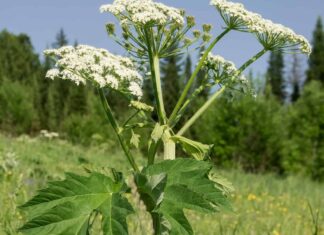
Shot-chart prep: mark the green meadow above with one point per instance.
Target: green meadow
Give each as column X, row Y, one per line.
column 262, row 204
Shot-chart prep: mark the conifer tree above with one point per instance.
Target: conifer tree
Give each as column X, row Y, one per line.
column 295, row 78
column 60, row 88
column 316, row 59
column 275, row 75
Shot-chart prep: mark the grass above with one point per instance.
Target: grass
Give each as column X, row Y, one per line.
column 263, row 204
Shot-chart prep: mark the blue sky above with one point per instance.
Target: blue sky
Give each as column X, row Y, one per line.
column 81, row 20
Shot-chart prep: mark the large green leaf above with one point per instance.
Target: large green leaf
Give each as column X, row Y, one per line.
column 65, row 206
column 186, row 185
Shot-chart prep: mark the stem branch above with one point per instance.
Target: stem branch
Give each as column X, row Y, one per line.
column 194, row 74
column 200, row 111
column 116, row 128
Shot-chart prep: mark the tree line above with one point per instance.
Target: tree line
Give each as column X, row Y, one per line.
column 280, row 130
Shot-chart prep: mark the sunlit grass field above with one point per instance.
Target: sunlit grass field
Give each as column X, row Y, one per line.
column 263, row 204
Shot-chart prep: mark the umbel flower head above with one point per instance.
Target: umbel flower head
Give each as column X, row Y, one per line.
column 100, row 67
column 144, row 12
column 150, row 26
column 223, row 72
column 272, row 36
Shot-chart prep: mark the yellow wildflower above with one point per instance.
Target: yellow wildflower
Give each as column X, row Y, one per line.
column 251, row 197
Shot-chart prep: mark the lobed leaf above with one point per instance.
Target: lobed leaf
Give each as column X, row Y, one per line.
column 185, row 184
column 65, row 206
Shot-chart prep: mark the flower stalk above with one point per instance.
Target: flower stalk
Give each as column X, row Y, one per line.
column 194, row 75
column 117, row 130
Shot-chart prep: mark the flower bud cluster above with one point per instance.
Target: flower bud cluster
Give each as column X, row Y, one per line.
column 144, row 12
column 85, row 63
column 272, row 36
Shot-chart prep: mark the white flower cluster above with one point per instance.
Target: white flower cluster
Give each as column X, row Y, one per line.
column 274, row 36
column 48, row 135
column 222, row 69
column 99, row 66
column 143, row 12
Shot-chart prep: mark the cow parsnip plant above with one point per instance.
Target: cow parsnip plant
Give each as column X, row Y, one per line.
column 150, row 31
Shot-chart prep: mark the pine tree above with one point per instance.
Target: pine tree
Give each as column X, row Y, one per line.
column 316, row 59
column 170, row 69
column 295, row 78
column 275, row 75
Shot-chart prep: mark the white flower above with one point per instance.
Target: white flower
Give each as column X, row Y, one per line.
column 98, row 66
column 143, row 12
column 52, row 73
column 219, row 65
column 272, row 36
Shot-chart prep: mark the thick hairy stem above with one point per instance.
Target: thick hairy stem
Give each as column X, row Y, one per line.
column 169, row 147
column 194, row 75
column 200, row 111
column 116, row 128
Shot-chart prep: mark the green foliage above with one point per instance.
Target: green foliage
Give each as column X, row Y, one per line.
column 275, row 77
column 17, row 58
column 65, row 207
column 169, row 187
column 17, row 113
column 248, row 133
column 305, row 145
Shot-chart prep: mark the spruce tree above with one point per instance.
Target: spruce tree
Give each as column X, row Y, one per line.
column 44, row 105
column 60, row 88
column 295, row 78
column 316, row 59
column 275, row 75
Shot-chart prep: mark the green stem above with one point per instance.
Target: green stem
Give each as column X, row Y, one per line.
column 200, row 111
column 117, row 129
column 194, row 74
column 157, row 225
column 130, row 118
column 156, row 78
column 152, row 151
column 252, row 60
